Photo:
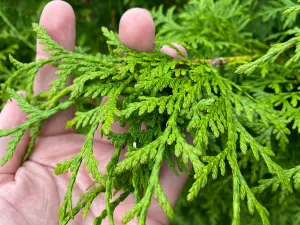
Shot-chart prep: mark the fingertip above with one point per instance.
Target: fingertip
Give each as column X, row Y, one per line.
column 172, row 52
column 58, row 18
column 137, row 30
column 56, row 15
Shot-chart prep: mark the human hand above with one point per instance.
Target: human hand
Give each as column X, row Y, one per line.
column 30, row 192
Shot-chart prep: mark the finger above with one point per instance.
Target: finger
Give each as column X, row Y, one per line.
column 59, row 21
column 137, row 30
column 172, row 51
column 172, row 185
column 10, row 117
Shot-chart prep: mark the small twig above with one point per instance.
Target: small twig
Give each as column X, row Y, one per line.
column 221, row 61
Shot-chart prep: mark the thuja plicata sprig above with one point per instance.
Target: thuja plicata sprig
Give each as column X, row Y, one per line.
column 163, row 101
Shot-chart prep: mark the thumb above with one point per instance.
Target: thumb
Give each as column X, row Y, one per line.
column 10, row 117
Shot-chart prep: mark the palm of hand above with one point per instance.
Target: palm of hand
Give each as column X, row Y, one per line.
column 36, row 194
column 30, row 193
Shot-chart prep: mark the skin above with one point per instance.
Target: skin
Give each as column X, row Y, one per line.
column 30, row 192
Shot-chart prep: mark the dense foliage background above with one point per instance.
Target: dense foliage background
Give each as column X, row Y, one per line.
column 211, row 29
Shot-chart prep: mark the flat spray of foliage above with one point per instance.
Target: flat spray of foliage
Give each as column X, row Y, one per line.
column 244, row 128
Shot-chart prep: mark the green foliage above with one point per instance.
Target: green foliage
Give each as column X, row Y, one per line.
column 244, row 125
column 17, row 37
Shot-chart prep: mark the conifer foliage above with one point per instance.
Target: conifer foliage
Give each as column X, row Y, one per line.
column 244, row 128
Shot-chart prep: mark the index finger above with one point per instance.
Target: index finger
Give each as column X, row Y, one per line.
column 59, row 21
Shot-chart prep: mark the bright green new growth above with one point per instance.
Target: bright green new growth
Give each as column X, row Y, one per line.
column 173, row 99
